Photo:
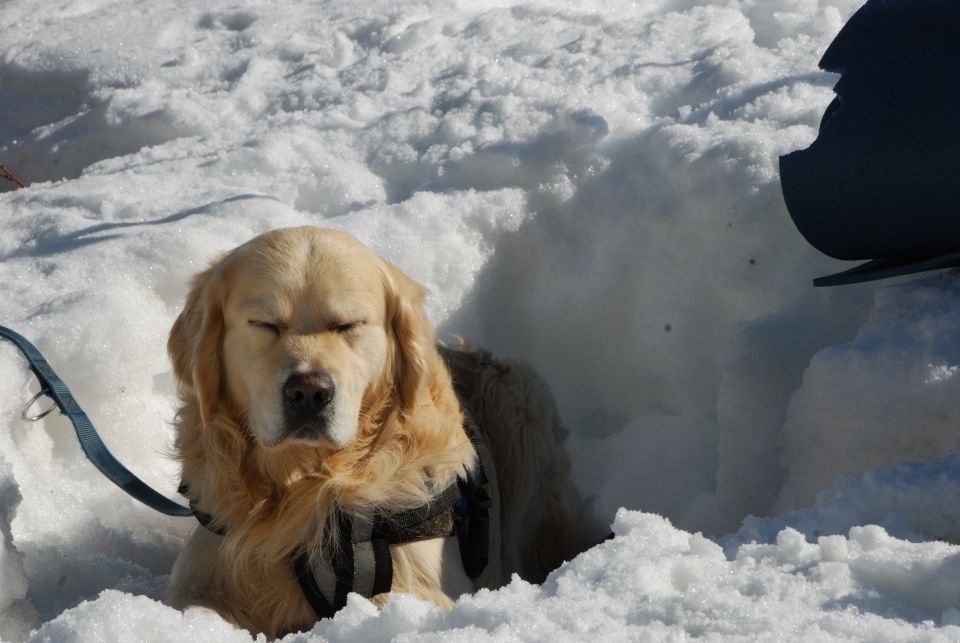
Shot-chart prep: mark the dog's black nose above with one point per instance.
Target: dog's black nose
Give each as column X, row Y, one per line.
column 309, row 392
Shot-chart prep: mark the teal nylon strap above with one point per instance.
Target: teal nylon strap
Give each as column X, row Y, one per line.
column 94, row 448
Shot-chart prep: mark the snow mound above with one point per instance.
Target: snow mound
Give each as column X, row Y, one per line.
column 651, row 582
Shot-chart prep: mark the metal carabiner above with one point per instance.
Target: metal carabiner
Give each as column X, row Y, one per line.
column 33, row 400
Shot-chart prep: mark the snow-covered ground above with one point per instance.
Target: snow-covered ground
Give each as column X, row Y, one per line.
column 589, row 185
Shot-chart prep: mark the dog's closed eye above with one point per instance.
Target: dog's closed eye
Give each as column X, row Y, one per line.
column 345, row 328
column 274, row 327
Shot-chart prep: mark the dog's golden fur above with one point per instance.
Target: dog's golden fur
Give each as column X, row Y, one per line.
column 308, row 299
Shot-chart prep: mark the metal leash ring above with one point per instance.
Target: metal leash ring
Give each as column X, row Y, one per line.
column 33, row 400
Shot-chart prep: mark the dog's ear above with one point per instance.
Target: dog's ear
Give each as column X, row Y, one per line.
column 196, row 338
column 412, row 331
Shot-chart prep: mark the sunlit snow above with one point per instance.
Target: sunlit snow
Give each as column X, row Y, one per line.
column 591, row 186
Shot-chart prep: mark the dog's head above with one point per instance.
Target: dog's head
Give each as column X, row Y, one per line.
column 298, row 334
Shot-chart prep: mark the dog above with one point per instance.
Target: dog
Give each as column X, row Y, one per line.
column 312, row 388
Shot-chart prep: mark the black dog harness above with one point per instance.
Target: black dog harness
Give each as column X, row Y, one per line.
column 362, row 562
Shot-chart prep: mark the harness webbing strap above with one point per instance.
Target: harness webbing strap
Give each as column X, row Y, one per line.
column 343, row 567
column 427, row 521
column 94, row 448
column 383, row 566
column 372, row 565
column 202, row 517
column 311, row 590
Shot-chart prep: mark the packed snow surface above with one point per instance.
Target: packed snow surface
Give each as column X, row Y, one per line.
column 591, row 186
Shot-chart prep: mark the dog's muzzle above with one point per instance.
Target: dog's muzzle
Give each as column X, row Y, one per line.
column 307, row 404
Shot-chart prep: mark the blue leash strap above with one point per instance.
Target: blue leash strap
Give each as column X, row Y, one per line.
column 94, row 448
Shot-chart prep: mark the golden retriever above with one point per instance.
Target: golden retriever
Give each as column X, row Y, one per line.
column 311, row 383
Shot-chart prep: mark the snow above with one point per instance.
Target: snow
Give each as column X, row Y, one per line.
column 590, row 186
